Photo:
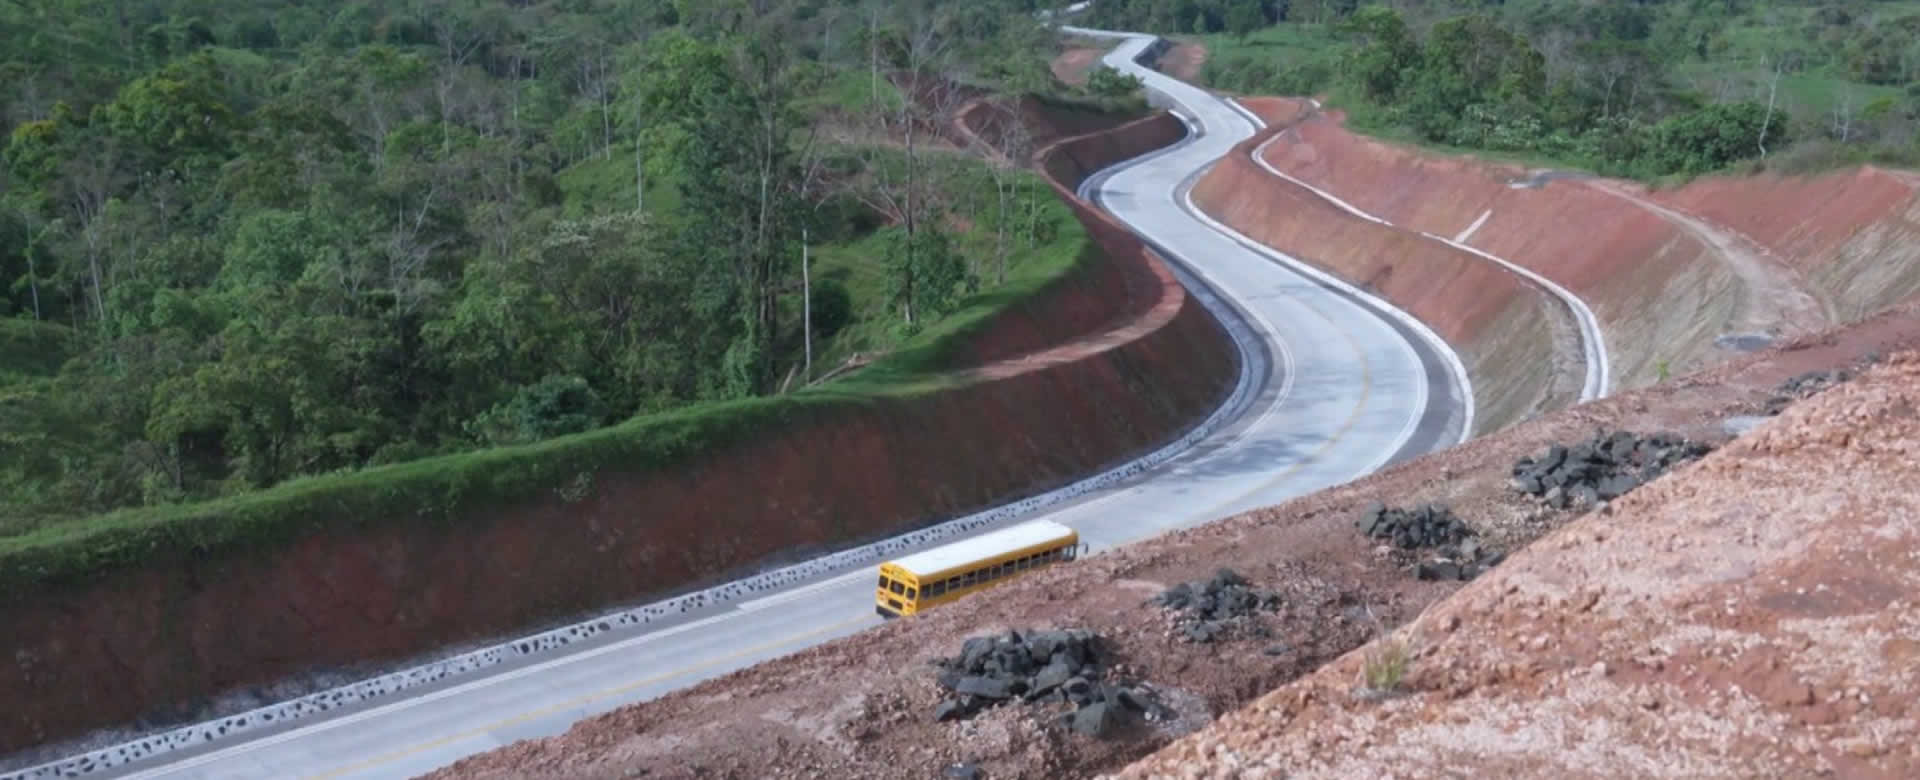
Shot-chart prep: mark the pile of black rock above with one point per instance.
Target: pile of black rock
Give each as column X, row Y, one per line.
column 1430, row 525
column 1210, row 610
column 1039, row 666
column 1805, row 386
column 1603, row 468
column 1456, row 552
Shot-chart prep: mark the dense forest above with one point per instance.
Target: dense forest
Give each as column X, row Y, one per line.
column 244, row 242
column 1646, row 89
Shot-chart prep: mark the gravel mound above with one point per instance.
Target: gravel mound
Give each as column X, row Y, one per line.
column 1603, row 468
column 1457, row 553
column 1038, row 667
column 1209, row 610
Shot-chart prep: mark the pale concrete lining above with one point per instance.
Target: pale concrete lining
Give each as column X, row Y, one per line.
column 1471, row 229
column 1592, row 342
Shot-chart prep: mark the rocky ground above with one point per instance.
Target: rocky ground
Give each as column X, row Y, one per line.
column 1310, row 580
column 1753, row 616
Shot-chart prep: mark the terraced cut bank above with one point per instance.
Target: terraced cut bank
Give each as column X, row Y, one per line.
column 830, row 712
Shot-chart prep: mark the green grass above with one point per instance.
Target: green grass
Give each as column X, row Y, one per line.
column 1808, row 95
column 851, row 90
column 1279, row 44
column 446, row 491
column 861, row 263
column 602, row 185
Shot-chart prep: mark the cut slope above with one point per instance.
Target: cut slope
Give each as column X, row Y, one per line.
column 157, row 637
column 1854, row 234
column 1732, row 262
column 1519, row 347
column 1749, row 615
column 832, row 711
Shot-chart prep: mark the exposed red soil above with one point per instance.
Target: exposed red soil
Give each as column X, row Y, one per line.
column 141, row 641
column 1733, row 255
column 830, row 711
column 1504, row 327
column 1749, row 615
column 1183, row 61
column 1276, row 110
column 1099, row 297
column 1073, row 65
column 1854, row 233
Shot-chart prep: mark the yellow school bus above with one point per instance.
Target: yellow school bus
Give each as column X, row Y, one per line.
column 923, row 580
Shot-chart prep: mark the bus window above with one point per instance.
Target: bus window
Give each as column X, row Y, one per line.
column 896, row 587
column 910, row 594
column 967, row 580
column 937, row 589
column 883, row 582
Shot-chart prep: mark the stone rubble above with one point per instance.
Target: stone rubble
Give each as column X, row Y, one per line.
column 1431, row 525
column 1038, row 667
column 1804, row 386
column 1456, row 551
column 1603, row 468
column 1214, row 609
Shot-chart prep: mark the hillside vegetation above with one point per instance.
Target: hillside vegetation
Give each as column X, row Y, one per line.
column 1644, row 89
column 274, row 244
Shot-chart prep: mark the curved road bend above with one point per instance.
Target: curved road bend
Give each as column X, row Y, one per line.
column 1338, row 390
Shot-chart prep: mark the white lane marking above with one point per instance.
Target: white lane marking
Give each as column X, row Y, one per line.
column 1593, row 342
column 1468, row 233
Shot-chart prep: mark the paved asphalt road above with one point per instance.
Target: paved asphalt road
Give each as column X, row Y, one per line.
column 1340, row 391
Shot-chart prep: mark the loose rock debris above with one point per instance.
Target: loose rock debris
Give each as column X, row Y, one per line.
column 1804, row 386
column 1207, row 610
column 1459, row 554
column 1603, row 468
column 1432, row 525
column 1038, row 666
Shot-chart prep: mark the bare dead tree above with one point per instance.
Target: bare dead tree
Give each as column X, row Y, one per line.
column 1005, row 164
column 1843, row 115
column 1773, row 93
column 457, row 42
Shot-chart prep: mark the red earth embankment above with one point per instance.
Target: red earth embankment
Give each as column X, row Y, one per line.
column 1091, row 298
column 1624, row 261
column 1665, row 286
column 157, row 640
column 1503, row 328
column 1855, row 233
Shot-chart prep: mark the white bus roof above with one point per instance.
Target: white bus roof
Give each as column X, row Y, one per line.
column 986, row 545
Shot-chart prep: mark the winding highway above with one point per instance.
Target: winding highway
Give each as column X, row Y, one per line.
column 1336, row 385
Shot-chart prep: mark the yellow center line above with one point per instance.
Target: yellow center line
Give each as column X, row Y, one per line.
column 1346, row 427
column 1353, row 418
column 388, row 758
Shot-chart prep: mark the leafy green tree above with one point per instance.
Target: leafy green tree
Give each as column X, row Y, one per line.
column 1245, row 17
column 939, row 275
column 1713, row 137
column 1382, row 53
column 555, row 406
